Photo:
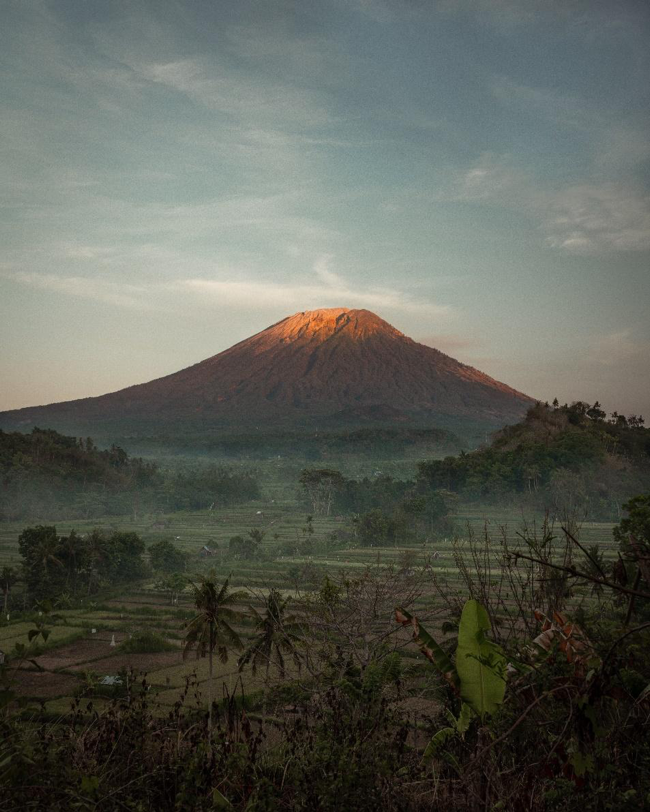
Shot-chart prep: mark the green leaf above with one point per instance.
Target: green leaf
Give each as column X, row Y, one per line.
column 32, row 633
column 582, row 763
column 220, row 801
column 89, row 785
column 437, row 743
column 430, row 648
column 465, row 718
column 480, row 663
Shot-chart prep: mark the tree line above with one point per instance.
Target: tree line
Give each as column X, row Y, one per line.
column 557, row 454
column 47, row 474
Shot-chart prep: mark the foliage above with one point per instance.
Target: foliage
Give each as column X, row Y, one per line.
column 633, row 566
column 165, row 557
column 45, row 473
column 479, row 674
column 246, row 547
column 54, row 565
column 320, row 486
column 561, row 457
column 210, row 629
column 277, row 635
column 146, row 642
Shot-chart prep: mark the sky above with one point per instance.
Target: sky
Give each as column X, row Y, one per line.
column 176, row 175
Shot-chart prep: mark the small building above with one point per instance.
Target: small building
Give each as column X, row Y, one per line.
column 206, row 552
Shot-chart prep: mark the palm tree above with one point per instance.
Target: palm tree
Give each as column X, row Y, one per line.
column 8, row 578
column 72, row 548
column 47, row 555
column 210, row 628
column 277, row 635
column 96, row 552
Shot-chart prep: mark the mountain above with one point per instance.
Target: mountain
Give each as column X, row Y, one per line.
column 320, row 367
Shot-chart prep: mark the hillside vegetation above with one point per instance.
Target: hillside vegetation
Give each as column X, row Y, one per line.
column 562, row 457
column 46, row 474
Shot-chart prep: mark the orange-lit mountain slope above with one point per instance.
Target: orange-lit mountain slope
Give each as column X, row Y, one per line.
column 307, row 368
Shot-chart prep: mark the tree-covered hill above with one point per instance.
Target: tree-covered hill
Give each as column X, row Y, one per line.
column 46, row 474
column 561, row 457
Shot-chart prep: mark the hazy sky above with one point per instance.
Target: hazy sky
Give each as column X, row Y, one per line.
column 176, row 176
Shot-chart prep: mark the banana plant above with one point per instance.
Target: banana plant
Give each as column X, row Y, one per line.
column 477, row 675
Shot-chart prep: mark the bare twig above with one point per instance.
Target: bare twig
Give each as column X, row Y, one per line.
column 593, row 560
column 577, row 574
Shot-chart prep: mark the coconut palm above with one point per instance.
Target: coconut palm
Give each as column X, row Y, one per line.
column 210, row 629
column 278, row 635
column 8, row 578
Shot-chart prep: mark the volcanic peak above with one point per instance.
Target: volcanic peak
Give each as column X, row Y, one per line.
column 314, row 365
column 318, row 326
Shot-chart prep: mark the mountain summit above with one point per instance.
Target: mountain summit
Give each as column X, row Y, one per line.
column 311, row 368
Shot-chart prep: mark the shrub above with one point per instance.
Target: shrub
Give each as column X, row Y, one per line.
column 146, row 642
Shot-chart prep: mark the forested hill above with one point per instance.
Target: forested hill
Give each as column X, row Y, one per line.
column 561, row 457
column 48, row 475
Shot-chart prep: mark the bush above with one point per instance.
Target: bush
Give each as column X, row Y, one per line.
column 146, row 642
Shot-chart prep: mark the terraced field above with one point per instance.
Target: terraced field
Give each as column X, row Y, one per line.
column 80, row 645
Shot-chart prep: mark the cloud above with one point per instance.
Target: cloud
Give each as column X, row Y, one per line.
column 321, row 288
column 99, row 290
column 244, row 97
column 588, row 218
column 581, row 218
column 490, row 178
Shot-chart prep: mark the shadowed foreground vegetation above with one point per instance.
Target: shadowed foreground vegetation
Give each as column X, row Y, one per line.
column 523, row 682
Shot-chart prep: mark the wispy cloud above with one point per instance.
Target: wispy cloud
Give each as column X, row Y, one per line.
column 241, row 96
column 323, row 288
column 99, row 290
column 320, row 288
column 588, row 218
column 582, row 218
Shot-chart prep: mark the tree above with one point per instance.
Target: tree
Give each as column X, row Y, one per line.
column 8, row 578
column 210, row 629
column 320, row 485
column 376, row 529
column 277, row 636
column 43, row 565
column 165, row 557
column 633, row 537
column 73, row 553
column 347, row 618
column 241, row 547
column 173, row 584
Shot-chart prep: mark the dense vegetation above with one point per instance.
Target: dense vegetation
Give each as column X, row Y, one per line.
column 559, row 457
column 54, row 566
column 46, row 474
column 383, row 510
column 535, row 670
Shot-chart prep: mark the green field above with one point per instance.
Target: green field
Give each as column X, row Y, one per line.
column 73, row 649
